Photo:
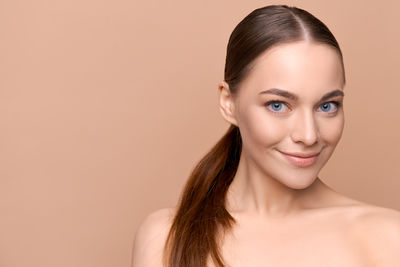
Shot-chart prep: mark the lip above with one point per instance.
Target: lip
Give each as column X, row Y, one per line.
column 301, row 159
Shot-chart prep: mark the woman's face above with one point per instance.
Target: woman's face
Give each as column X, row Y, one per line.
column 290, row 102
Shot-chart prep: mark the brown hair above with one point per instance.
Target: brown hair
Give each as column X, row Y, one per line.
column 201, row 213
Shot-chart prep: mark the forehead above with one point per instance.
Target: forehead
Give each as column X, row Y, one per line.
column 303, row 68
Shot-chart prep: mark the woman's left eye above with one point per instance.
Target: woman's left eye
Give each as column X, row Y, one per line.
column 330, row 107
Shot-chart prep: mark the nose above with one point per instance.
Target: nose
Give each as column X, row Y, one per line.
column 305, row 129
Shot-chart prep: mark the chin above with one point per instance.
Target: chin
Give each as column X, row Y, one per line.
column 298, row 178
column 300, row 184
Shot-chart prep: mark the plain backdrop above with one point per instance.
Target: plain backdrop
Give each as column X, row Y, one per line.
column 106, row 106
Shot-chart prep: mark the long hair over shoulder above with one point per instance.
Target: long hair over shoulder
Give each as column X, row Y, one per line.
column 201, row 216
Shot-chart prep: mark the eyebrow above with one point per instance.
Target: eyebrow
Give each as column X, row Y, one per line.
column 286, row 94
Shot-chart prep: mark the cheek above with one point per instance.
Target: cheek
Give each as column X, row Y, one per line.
column 259, row 128
column 331, row 130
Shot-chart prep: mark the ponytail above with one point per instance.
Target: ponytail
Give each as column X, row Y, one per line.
column 201, row 210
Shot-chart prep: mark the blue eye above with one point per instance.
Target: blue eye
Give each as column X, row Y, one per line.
column 328, row 106
column 276, row 106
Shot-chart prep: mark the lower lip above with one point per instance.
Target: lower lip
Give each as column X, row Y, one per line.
column 301, row 162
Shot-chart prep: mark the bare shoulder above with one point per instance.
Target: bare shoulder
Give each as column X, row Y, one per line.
column 378, row 229
column 375, row 229
column 150, row 238
column 370, row 218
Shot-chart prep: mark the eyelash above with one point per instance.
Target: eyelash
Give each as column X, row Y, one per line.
column 336, row 103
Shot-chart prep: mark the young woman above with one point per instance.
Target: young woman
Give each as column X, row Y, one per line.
column 256, row 199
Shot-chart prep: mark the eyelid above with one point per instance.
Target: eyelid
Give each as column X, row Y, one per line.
column 331, row 100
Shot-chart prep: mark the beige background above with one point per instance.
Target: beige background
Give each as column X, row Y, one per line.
column 105, row 107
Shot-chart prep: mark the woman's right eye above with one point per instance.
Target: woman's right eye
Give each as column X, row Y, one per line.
column 276, row 106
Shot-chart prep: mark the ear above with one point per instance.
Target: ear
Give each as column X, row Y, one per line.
column 226, row 103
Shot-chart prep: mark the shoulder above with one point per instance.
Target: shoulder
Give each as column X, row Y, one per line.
column 378, row 229
column 374, row 219
column 150, row 238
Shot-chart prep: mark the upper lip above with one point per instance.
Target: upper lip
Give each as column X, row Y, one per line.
column 301, row 154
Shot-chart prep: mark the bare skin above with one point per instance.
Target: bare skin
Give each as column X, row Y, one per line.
column 348, row 234
column 286, row 216
column 331, row 231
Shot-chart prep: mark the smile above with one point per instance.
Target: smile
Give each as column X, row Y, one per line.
column 301, row 160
